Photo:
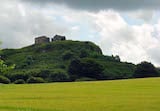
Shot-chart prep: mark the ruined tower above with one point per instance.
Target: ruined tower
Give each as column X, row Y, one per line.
column 42, row 39
column 58, row 38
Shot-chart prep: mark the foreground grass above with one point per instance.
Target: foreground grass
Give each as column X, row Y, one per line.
column 121, row 95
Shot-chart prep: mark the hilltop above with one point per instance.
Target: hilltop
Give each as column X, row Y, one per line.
column 53, row 60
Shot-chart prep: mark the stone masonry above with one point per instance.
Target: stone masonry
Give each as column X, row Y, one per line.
column 58, row 38
column 42, row 39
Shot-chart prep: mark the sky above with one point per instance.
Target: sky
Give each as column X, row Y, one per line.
column 128, row 28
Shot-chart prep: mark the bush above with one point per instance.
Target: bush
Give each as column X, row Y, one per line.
column 116, row 74
column 85, row 68
column 18, row 75
column 67, row 55
column 35, row 80
column 145, row 69
column 43, row 73
column 109, row 75
column 4, row 80
column 59, row 76
column 83, row 54
column 19, row 81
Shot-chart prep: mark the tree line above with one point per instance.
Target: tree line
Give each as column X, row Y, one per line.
column 86, row 69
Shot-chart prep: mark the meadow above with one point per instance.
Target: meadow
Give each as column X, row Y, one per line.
column 117, row 95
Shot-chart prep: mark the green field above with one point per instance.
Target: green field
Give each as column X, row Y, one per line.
column 121, row 95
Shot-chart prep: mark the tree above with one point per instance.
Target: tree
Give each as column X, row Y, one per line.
column 4, row 68
column 117, row 58
column 19, row 81
column 145, row 69
column 67, row 55
column 85, row 68
column 4, row 80
column 74, row 69
column 91, row 68
column 83, row 53
column 29, row 60
column 35, row 80
column 59, row 75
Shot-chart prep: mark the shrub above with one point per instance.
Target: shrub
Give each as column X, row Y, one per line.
column 35, row 80
column 109, row 75
column 4, row 80
column 59, row 76
column 29, row 60
column 19, row 81
column 4, row 68
column 85, row 68
column 83, row 54
column 145, row 69
column 43, row 73
column 67, row 55
column 18, row 75
column 115, row 74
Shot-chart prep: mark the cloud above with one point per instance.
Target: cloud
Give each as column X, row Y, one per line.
column 143, row 15
column 155, row 55
column 134, row 43
column 21, row 23
column 102, row 4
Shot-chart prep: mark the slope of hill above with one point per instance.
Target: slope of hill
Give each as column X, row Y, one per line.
column 119, row 95
column 43, row 59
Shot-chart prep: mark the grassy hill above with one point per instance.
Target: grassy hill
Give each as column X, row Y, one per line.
column 50, row 54
column 119, row 95
column 40, row 60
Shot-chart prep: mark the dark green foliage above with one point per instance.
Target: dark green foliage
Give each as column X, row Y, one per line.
column 73, row 59
column 18, row 75
column 85, row 68
column 19, row 81
column 42, row 73
column 145, row 69
column 35, row 80
column 59, row 76
column 158, row 70
column 83, row 53
column 91, row 68
column 4, row 80
column 7, row 52
column 4, row 68
column 85, row 79
column 115, row 74
column 29, row 60
column 74, row 69
column 67, row 55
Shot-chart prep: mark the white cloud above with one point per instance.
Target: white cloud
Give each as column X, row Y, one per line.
column 131, row 42
column 20, row 23
column 75, row 28
column 68, row 19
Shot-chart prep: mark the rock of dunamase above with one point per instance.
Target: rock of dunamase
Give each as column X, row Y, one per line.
column 45, row 39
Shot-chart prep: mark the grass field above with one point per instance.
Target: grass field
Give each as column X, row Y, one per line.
column 121, row 95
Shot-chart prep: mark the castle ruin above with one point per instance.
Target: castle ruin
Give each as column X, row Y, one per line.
column 44, row 39
column 58, row 38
